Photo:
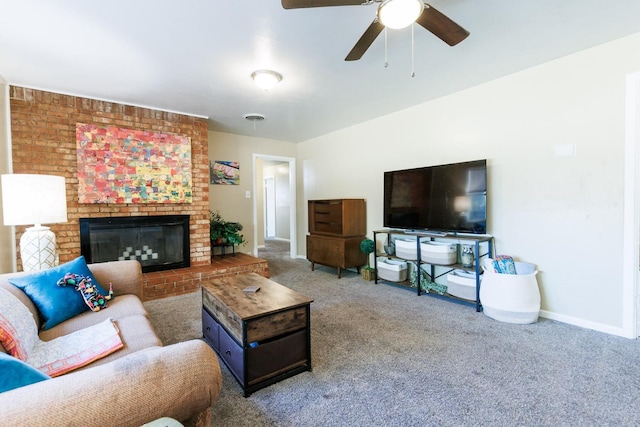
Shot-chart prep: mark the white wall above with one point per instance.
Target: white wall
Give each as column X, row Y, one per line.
column 562, row 213
column 231, row 200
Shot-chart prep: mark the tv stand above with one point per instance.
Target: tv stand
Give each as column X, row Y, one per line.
column 436, row 233
column 482, row 244
column 421, row 232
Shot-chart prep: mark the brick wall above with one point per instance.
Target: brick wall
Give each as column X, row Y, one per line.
column 43, row 126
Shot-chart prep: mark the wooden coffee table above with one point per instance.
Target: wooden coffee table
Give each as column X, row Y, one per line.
column 264, row 336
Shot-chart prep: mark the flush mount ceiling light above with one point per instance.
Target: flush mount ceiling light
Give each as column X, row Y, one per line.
column 396, row 14
column 266, row 79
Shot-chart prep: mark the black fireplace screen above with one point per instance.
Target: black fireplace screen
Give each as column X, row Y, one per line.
column 157, row 242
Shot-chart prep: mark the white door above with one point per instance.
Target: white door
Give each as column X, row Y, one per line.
column 631, row 245
column 269, row 208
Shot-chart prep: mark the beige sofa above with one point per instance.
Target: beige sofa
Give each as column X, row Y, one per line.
column 141, row 382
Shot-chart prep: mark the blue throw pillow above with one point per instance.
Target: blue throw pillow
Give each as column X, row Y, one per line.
column 16, row 373
column 56, row 303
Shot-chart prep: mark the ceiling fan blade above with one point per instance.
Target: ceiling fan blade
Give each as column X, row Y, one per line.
column 299, row 4
column 441, row 26
column 365, row 41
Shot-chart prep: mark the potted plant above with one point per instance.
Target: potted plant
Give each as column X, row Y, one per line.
column 367, row 246
column 232, row 234
column 224, row 232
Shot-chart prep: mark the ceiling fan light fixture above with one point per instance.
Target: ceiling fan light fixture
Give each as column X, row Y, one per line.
column 396, row 14
column 266, row 79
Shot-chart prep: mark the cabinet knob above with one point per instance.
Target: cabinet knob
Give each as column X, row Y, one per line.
column 228, row 352
column 208, row 328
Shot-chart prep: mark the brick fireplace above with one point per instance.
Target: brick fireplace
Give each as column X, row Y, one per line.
column 43, row 141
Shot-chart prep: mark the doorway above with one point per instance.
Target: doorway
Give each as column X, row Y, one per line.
column 274, row 207
column 269, row 208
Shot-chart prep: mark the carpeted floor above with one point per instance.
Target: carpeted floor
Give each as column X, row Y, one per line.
column 384, row 356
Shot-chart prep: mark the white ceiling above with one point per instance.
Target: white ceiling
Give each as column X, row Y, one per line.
column 196, row 56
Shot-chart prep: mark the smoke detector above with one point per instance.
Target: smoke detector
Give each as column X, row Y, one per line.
column 254, row 117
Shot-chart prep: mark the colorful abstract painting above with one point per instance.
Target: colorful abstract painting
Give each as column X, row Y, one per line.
column 224, row 172
column 130, row 166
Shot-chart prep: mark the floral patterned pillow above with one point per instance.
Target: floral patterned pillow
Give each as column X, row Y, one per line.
column 18, row 329
column 19, row 336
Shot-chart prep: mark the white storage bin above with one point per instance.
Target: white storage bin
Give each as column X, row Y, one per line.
column 407, row 249
column 462, row 284
column 391, row 269
column 511, row 298
column 441, row 253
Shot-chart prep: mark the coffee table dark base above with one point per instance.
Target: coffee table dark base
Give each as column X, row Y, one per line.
column 260, row 365
column 263, row 337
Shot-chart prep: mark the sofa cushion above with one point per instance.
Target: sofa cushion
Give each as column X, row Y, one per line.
column 16, row 373
column 128, row 311
column 56, row 304
column 80, row 348
column 18, row 329
column 119, row 308
column 126, row 276
column 19, row 335
column 137, row 334
column 17, row 292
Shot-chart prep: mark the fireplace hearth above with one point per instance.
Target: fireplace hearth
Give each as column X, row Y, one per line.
column 157, row 242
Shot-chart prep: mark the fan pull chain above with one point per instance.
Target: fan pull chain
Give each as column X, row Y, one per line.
column 413, row 74
column 386, row 63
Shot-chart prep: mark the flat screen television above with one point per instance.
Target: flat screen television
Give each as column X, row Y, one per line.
column 442, row 198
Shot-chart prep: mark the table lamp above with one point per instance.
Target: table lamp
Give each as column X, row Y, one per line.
column 35, row 199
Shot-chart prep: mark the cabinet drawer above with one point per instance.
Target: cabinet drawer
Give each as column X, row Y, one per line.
column 274, row 357
column 333, row 207
column 328, row 227
column 232, row 355
column 276, row 324
column 210, row 330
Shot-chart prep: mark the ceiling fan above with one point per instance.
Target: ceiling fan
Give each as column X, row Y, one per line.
column 417, row 11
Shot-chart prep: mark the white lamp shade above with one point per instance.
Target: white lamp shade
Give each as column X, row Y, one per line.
column 33, row 199
column 397, row 14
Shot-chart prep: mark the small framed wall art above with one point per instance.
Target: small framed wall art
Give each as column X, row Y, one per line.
column 224, row 172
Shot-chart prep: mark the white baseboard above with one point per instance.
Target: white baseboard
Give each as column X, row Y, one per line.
column 280, row 239
column 608, row 329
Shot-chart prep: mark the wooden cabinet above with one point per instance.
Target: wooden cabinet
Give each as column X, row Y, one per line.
column 337, row 217
column 336, row 229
